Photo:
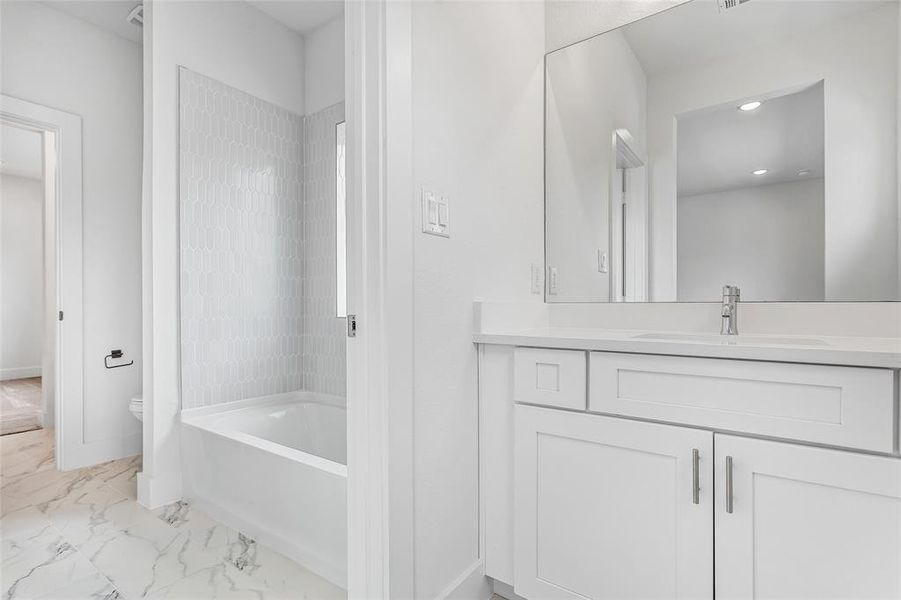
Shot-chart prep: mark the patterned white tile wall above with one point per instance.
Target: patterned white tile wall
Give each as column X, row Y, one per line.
column 241, row 209
column 324, row 359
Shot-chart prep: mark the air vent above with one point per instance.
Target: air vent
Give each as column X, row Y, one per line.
column 724, row 5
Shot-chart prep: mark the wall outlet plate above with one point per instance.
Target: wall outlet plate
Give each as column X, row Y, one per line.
column 435, row 215
column 537, row 278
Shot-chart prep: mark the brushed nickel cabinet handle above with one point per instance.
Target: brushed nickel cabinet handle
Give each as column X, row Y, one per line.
column 695, row 476
column 729, row 493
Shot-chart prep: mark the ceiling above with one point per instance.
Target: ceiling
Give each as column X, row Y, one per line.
column 696, row 32
column 717, row 148
column 303, row 16
column 20, row 152
column 106, row 14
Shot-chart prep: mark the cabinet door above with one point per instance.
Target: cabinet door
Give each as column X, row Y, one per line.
column 806, row 522
column 608, row 508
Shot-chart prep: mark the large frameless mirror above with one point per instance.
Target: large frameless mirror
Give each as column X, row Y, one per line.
column 754, row 145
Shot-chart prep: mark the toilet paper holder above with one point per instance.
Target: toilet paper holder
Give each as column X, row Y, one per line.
column 114, row 354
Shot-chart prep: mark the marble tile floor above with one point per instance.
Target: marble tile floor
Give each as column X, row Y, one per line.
column 21, row 403
column 81, row 534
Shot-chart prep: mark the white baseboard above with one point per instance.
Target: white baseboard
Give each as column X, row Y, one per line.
column 19, row 373
column 160, row 491
column 471, row 584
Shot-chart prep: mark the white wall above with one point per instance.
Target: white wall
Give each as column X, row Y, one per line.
column 766, row 239
column 53, row 59
column 861, row 162
column 22, row 271
column 569, row 21
column 240, row 46
column 324, row 66
column 477, row 138
column 582, row 114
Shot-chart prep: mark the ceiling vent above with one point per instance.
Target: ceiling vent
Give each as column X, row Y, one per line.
column 136, row 16
column 724, row 5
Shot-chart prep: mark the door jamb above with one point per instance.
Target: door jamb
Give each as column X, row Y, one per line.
column 66, row 270
column 378, row 84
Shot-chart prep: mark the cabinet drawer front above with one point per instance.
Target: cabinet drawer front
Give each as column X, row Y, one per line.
column 550, row 377
column 840, row 406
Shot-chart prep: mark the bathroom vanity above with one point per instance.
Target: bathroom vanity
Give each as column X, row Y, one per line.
column 622, row 464
column 707, row 144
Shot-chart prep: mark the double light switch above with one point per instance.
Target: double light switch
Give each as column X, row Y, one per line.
column 435, row 219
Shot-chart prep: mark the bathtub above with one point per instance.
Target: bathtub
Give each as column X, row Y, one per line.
column 274, row 468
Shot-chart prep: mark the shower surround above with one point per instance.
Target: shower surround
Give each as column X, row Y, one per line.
column 257, row 248
column 324, row 369
column 263, row 434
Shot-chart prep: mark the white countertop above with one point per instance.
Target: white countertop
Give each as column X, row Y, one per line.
column 853, row 351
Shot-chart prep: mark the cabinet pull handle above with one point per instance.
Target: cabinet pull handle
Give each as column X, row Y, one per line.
column 729, row 494
column 695, row 476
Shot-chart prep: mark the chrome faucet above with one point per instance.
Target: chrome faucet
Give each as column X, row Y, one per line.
column 731, row 296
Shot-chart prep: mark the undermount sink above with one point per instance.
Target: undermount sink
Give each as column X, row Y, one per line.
column 732, row 339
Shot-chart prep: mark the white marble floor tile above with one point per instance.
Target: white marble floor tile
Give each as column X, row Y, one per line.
column 80, row 534
column 282, row 577
column 121, row 475
column 93, row 514
column 139, row 558
column 93, row 587
column 22, row 523
column 37, row 565
column 45, row 486
column 218, row 581
column 206, row 532
column 39, row 439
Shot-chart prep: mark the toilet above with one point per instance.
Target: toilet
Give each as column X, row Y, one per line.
column 136, row 406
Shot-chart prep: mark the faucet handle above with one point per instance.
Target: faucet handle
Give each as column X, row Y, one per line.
column 731, row 290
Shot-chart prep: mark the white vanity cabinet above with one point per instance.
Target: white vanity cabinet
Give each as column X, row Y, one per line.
column 609, row 508
column 671, row 482
column 806, row 522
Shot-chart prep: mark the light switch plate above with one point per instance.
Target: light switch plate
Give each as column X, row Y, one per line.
column 435, row 214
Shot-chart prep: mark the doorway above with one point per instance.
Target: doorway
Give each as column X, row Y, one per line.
column 22, row 200
column 42, row 245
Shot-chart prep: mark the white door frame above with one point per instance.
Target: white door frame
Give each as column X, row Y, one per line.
column 380, row 227
column 63, row 269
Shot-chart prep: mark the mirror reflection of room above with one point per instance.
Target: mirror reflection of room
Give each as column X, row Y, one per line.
column 751, row 198
column 769, row 131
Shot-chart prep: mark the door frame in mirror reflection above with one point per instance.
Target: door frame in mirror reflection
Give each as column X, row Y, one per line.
column 628, row 219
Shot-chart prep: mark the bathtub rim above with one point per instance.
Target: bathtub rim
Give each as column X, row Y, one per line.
column 205, row 419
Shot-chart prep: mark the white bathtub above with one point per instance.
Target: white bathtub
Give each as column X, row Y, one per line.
column 274, row 468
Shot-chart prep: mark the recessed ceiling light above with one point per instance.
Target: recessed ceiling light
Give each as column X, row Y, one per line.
column 803, row 172
column 759, row 172
column 750, row 106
